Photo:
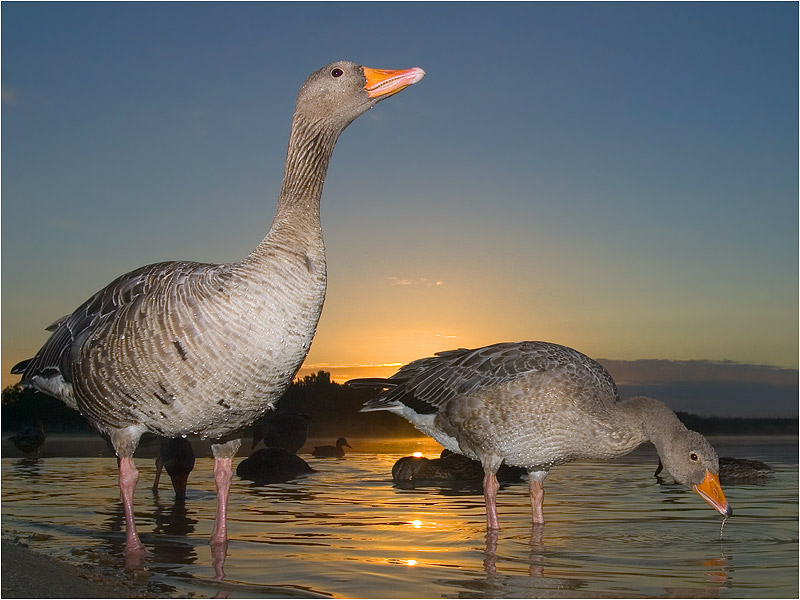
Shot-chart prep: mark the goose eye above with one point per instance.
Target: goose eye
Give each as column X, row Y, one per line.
column 337, row 72
column 693, row 456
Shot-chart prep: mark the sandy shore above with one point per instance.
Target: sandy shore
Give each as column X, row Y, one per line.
column 27, row 573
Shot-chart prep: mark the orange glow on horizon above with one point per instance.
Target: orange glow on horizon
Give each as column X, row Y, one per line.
column 343, row 373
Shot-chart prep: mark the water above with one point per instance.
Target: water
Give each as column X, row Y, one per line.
column 346, row 531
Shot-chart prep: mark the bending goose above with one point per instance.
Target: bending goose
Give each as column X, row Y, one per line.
column 336, row 451
column 178, row 348
column 537, row 405
column 177, row 457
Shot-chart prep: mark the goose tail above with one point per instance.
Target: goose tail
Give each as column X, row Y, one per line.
column 21, row 367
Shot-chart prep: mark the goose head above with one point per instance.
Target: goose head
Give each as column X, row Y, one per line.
column 341, row 91
column 693, row 462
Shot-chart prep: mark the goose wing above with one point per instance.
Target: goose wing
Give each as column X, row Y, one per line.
column 63, row 346
column 428, row 383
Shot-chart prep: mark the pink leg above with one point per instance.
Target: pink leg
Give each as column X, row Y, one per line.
column 490, row 487
column 128, row 477
column 537, row 500
column 490, row 561
column 223, row 474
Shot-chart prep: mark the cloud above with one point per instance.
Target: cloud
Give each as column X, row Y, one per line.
column 342, row 373
column 419, row 281
column 702, row 387
column 663, row 370
column 705, row 387
column 324, row 366
column 9, row 96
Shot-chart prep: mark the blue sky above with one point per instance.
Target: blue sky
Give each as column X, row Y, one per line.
column 617, row 177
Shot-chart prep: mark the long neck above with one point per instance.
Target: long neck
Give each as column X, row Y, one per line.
column 311, row 145
column 655, row 420
column 297, row 221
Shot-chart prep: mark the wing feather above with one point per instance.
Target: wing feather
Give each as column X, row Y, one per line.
column 69, row 333
column 426, row 384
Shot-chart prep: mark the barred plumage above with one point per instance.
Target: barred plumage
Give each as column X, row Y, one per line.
column 537, row 405
column 178, row 348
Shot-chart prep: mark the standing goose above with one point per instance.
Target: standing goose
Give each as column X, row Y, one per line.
column 179, row 348
column 537, row 405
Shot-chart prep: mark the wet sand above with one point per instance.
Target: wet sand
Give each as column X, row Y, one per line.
column 27, row 573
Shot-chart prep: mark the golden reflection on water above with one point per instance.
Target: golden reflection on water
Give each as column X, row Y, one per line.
column 347, row 530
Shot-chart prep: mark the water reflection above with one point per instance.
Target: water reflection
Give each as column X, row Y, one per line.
column 719, row 572
column 536, row 555
column 29, row 466
column 173, row 523
column 114, row 545
column 716, row 572
column 219, row 552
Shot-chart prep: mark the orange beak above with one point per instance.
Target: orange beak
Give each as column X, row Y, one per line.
column 710, row 491
column 383, row 83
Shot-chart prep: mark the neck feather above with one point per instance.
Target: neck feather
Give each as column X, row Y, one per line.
column 297, row 220
column 657, row 422
column 311, row 145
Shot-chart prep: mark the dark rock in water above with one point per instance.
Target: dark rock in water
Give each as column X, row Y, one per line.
column 449, row 467
column 742, row 470
column 272, row 465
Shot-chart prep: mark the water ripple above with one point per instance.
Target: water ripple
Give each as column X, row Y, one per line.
column 346, row 530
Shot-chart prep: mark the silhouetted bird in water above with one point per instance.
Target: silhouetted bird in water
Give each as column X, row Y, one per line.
column 336, row 451
column 272, row 465
column 737, row 470
column 282, row 429
column 29, row 438
column 177, row 457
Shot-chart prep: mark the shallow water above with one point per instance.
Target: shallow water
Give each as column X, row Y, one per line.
column 346, row 531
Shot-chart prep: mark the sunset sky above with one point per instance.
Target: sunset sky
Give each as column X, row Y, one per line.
column 620, row 178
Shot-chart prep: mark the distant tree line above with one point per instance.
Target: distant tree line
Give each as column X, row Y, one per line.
column 24, row 405
column 333, row 409
column 738, row 426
